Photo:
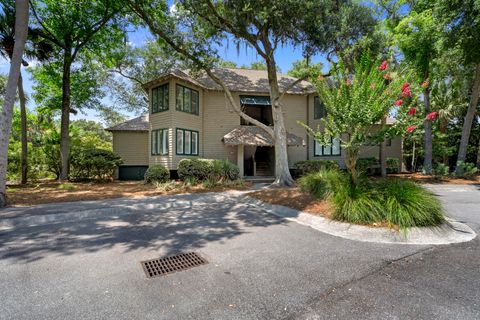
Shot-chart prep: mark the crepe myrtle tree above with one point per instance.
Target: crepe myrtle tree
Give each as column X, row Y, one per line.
column 357, row 102
column 195, row 28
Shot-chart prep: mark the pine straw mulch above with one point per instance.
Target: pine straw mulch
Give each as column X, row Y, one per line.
column 421, row 178
column 294, row 198
column 54, row 191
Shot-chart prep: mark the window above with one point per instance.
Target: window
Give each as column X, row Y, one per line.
column 333, row 149
column 187, row 142
column 160, row 98
column 160, row 142
column 187, row 100
column 319, row 110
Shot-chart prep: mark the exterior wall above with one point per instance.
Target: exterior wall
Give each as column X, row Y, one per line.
column 184, row 120
column 132, row 146
column 295, row 110
column 162, row 120
column 219, row 119
column 216, row 118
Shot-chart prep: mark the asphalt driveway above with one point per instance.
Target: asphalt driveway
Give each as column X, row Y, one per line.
column 260, row 266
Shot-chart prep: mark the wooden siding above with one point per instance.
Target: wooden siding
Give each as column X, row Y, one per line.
column 162, row 120
column 219, row 119
column 132, row 146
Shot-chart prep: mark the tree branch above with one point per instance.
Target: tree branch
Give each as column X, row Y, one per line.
column 48, row 35
column 291, row 85
column 194, row 58
column 252, row 39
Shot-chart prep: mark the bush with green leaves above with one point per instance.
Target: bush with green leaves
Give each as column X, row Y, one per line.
column 441, row 170
column 368, row 165
column 156, row 174
column 213, row 170
column 393, row 165
column 94, row 164
column 465, row 170
column 321, row 183
column 310, row 166
column 407, row 204
column 393, row 201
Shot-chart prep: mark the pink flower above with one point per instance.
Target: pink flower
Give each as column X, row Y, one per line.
column 383, row 66
column 411, row 129
column 398, row 102
column 386, row 76
column 348, row 82
column 405, row 86
column 373, row 86
column 412, row 111
column 431, row 116
column 406, row 92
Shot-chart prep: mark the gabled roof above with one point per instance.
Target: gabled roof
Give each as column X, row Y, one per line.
column 256, row 136
column 238, row 80
column 136, row 124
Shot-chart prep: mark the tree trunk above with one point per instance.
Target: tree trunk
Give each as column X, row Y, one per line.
column 23, row 121
column 413, row 157
column 21, row 29
column 427, row 162
column 282, row 172
column 467, row 124
column 351, row 163
column 65, row 118
column 443, row 131
column 383, row 152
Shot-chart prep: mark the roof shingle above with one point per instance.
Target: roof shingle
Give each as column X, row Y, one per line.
column 136, row 124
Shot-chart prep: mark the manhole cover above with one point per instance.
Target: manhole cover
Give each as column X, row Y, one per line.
column 171, row 264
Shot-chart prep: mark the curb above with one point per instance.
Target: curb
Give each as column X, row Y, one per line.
column 450, row 232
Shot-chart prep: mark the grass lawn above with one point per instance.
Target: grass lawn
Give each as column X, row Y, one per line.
column 53, row 191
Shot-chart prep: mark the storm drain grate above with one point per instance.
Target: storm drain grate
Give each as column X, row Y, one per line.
column 171, row 264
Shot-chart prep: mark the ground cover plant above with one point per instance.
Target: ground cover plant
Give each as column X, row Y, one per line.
column 394, row 201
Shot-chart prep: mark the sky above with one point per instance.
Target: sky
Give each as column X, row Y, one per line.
column 285, row 56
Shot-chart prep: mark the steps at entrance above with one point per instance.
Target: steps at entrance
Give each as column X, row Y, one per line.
column 263, row 169
column 258, row 179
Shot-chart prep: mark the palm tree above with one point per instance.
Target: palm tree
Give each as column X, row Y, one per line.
column 448, row 101
column 21, row 32
column 36, row 48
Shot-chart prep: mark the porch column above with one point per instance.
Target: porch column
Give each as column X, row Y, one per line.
column 240, row 159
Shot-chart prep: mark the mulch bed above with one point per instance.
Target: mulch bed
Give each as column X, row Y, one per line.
column 54, row 191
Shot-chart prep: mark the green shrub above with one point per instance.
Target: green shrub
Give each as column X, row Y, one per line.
column 465, row 170
column 356, row 203
column 91, row 164
column 216, row 171
column 156, row 174
column 309, row 166
column 367, row 165
column 393, row 165
column 408, row 204
column 441, row 170
column 394, row 201
column 321, row 184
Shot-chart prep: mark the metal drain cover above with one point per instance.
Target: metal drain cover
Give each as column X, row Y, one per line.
column 171, row 264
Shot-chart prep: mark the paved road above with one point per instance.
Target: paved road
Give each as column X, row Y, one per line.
column 260, row 266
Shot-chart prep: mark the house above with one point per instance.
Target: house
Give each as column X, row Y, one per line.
column 191, row 117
